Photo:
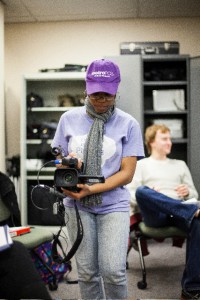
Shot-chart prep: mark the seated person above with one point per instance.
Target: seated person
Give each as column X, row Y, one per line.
column 160, row 186
column 19, row 279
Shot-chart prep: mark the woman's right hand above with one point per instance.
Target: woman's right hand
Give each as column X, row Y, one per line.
column 79, row 165
column 70, row 155
column 85, row 190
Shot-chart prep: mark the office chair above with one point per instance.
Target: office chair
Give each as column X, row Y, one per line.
column 144, row 233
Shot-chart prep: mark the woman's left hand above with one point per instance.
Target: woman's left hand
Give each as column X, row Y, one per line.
column 84, row 191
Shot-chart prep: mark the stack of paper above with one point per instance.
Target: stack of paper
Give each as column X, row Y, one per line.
column 5, row 239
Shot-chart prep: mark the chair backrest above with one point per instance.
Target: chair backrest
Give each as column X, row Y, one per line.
column 9, row 204
column 4, row 211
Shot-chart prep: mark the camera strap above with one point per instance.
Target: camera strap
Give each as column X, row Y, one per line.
column 72, row 251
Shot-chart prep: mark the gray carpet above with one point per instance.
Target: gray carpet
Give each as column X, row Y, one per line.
column 164, row 266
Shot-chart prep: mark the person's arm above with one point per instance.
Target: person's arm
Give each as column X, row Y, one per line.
column 135, row 183
column 187, row 189
column 122, row 177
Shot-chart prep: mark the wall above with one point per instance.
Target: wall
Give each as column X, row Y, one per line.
column 2, row 104
column 33, row 46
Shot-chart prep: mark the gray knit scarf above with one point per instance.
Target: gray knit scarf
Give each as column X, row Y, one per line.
column 93, row 149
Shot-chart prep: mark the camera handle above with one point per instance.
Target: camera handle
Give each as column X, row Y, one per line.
column 71, row 162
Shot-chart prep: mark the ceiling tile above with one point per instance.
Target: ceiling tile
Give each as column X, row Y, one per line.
column 61, row 10
column 15, row 9
column 169, row 8
column 79, row 9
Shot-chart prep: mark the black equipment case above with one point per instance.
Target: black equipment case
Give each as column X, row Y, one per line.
column 149, row 48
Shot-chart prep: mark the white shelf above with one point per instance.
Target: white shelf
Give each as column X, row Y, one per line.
column 55, row 76
column 165, row 73
column 37, row 141
column 52, row 109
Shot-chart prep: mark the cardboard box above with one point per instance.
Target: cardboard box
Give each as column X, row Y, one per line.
column 175, row 126
column 168, row 100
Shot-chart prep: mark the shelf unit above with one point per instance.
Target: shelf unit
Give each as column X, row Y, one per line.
column 140, row 76
column 168, row 74
column 195, row 124
column 35, row 149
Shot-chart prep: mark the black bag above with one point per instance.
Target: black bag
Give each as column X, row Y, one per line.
column 48, row 129
column 34, row 100
column 45, row 130
column 33, row 131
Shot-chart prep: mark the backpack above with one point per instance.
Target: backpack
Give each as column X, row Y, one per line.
column 51, row 271
column 52, row 266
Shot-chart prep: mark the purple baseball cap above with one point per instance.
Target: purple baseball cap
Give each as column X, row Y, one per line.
column 102, row 76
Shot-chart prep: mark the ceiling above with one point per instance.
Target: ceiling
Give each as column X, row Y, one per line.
column 19, row 11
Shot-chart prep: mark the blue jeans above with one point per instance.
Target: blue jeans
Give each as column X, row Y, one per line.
column 159, row 210
column 101, row 256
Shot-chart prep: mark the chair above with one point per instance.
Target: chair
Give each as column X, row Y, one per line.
column 31, row 240
column 142, row 233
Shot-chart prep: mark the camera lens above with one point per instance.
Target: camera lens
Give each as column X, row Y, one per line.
column 68, row 178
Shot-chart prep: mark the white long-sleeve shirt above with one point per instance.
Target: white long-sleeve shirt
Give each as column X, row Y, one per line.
column 165, row 175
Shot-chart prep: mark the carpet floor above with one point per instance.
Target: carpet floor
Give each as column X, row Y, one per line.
column 164, row 268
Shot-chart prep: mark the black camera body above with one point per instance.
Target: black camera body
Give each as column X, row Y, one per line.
column 68, row 178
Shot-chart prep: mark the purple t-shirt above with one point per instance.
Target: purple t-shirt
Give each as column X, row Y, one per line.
column 122, row 138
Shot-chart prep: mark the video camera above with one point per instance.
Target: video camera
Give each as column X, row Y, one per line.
column 68, row 178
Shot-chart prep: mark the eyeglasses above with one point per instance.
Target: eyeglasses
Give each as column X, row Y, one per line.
column 99, row 97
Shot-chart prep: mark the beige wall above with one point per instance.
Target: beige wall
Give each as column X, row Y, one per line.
column 33, row 46
column 2, row 108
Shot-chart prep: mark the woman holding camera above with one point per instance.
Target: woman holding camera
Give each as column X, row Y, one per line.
column 108, row 141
